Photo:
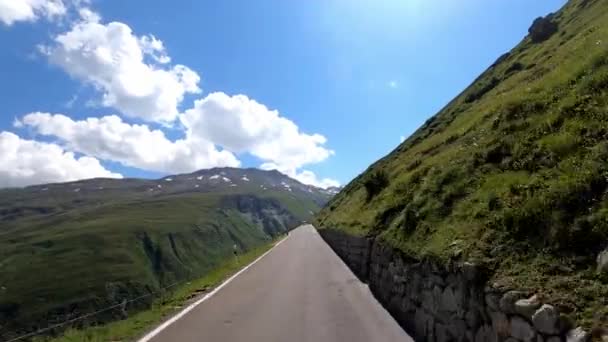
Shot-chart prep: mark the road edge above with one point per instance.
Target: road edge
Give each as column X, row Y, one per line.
column 150, row 335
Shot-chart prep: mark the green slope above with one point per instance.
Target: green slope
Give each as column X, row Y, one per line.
column 512, row 173
column 64, row 253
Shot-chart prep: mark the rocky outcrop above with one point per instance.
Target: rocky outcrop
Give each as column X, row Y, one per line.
column 602, row 261
column 269, row 214
column 542, row 29
column 436, row 302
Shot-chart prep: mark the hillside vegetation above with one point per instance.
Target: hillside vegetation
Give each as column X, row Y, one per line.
column 511, row 174
column 73, row 248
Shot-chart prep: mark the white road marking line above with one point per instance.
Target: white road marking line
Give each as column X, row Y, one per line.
column 182, row 313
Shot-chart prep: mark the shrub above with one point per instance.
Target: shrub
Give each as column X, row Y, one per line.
column 497, row 152
column 586, row 234
column 418, row 175
column 525, row 222
column 519, row 109
column 414, row 164
column 599, row 61
column 451, row 139
column 374, row 183
column 481, row 90
column 428, row 122
column 442, row 188
column 531, row 157
column 551, row 124
column 561, row 144
column 493, row 202
column 562, row 214
column 513, row 68
column 595, row 83
column 410, row 220
column 385, row 218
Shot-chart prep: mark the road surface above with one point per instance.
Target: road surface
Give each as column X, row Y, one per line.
column 300, row 291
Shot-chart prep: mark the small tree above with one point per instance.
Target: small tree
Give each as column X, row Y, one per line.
column 374, row 183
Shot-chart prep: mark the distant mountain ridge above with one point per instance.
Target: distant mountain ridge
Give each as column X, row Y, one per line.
column 201, row 180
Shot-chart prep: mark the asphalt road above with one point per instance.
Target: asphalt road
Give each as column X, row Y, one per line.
column 300, row 291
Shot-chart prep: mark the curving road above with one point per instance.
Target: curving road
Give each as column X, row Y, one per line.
column 300, row 291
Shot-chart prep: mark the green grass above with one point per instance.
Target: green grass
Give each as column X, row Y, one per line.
column 511, row 174
column 81, row 256
column 137, row 324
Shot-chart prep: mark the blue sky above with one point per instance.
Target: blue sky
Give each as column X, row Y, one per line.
column 347, row 79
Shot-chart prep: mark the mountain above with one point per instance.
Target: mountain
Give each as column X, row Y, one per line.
column 511, row 174
column 71, row 248
column 333, row 190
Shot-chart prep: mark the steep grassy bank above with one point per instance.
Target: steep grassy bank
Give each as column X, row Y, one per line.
column 512, row 174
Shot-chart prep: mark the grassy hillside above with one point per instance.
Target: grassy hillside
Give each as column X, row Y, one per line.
column 512, row 173
column 70, row 249
column 136, row 325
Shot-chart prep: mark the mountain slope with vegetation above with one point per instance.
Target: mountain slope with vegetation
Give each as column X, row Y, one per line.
column 511, row 174
column 72, row 248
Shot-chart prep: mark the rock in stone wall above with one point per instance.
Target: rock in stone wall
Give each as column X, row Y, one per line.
column 436, row 302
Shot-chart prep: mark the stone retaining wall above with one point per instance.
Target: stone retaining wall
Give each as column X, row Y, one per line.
column 439, row 303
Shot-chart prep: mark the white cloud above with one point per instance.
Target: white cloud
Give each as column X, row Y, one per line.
column 155, row 48
column 309, row 177
column 304, row 176
column 131, row 72
column 393, row 84
column 134, row 75
column 12, row 11
column 402, row 138
column 26, row 162
column 138, row 146
column 240, row 124
column 237, row 124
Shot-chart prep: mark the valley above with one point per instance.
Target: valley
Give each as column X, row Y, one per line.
column 69, row 249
